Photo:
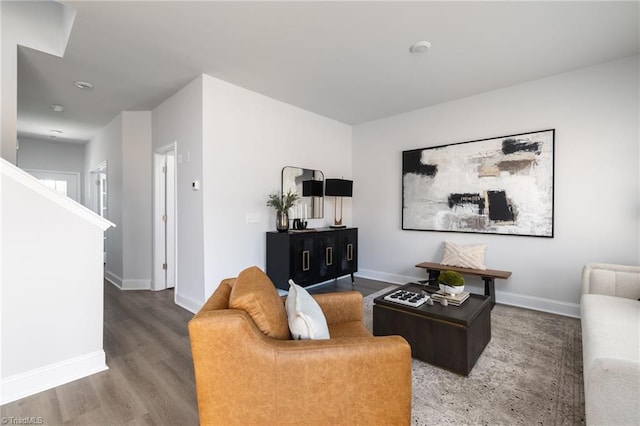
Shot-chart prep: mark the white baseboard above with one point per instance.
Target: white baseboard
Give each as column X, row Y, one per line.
column 31, row 382
column 539, row 304
column 384, row 276
column 513, row 299
column 127, row 284
column 139, row 284
column 113, row 279
column 188, row 303
column 185, row 302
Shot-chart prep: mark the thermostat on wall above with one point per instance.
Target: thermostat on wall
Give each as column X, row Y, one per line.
column 195, row 185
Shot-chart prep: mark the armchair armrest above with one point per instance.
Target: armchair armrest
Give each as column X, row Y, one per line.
column 611, row 280
column 341, row 306
column 361, row 380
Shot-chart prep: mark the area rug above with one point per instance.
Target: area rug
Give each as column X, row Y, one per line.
column 529, row 373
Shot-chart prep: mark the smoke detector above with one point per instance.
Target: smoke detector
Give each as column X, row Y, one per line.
column 420, row 47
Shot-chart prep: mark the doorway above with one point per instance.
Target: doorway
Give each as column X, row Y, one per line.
column 164, row 219
column 65, row 183
column 98, row 196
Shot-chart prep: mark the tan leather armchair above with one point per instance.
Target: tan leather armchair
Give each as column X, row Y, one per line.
column 244, row 376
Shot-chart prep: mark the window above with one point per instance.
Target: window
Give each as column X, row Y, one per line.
column 57, row 185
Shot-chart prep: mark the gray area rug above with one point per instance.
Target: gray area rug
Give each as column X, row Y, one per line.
column 529, row 373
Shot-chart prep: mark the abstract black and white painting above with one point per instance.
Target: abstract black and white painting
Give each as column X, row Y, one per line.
column 501, row 185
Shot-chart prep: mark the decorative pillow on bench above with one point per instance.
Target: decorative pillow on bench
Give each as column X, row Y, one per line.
column 470, row 256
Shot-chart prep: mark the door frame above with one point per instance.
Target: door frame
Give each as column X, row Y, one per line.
column 95, row 195
column 76, row 175
column 158, row 224
column 94, row 205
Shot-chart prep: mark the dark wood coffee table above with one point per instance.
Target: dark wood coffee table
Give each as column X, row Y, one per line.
column 451, row 337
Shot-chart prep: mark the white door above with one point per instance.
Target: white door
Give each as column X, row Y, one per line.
column 66, row 183
column 165, row 219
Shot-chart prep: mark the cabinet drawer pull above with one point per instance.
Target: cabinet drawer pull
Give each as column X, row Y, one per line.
column 349, row 252
column 328, row 259
column 305, row 260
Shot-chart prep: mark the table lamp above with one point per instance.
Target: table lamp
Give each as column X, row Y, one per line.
column 312, row 188
column 338, row 188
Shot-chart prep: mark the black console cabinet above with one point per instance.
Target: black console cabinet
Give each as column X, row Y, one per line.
column 311, row 257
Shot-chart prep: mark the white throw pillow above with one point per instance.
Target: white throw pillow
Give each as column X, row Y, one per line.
column 471, row 256
column 305, row 317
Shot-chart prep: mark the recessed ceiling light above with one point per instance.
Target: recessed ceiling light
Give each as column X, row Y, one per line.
column 420, row 47
column 55, row 132
column 57, row 107
column 83, row 85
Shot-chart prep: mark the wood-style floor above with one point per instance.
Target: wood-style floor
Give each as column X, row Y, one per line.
column 150, row 377
column 363, row 285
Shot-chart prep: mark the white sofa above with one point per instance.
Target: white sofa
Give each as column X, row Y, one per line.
column 610, row 318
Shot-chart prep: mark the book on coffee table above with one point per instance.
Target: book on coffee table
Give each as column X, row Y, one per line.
column 452, row 299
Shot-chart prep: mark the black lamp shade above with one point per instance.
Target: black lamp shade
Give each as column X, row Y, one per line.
column 312, row 188
column 338, row 187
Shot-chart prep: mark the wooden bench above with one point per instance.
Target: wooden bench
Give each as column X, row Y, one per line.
column 487, row 275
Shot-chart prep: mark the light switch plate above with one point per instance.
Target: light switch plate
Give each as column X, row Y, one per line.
column 253, row 218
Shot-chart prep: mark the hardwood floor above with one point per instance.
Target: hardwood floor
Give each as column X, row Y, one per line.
column 150, row 377
column 363, row 285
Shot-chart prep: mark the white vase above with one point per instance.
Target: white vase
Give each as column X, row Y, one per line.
column 452, row 289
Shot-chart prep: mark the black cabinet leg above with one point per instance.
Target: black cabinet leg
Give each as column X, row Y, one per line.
column 353, row 280
column 490, row 289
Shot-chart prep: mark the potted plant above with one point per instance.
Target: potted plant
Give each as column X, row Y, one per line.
column 451, row 282
column 282, row 203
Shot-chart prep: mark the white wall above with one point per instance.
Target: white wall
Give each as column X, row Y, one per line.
column 125, row 144
column 236, row 142
column 43, row 26
column 179, row 119
column 248, row 139
column 595, row 112
column 136, row 199
column 107, row 146
column 50, row 155
column 52, row 290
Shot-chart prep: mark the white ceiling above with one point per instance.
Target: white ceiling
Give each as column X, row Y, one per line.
column 349, row 61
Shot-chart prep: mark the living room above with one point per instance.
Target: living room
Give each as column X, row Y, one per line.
column 227, row 133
